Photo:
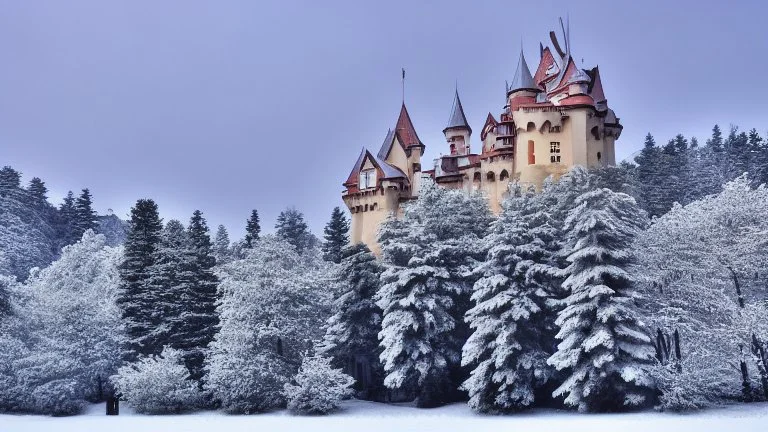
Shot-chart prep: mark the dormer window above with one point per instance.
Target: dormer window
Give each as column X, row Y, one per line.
column 367, row 179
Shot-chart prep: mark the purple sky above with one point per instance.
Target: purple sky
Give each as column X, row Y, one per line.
column 227, row 106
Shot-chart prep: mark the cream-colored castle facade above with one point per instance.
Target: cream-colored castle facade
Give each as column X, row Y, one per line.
column 554, row 119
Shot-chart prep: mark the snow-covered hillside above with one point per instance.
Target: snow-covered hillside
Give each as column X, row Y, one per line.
column 371, row 416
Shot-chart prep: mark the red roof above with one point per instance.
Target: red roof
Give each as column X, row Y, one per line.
column 517, row 102
column 577, row 100
column 488, row 121
column 405, row 129
column 546, row 61
column 597, row 92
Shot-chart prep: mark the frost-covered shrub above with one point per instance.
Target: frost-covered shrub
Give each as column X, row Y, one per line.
column 158, row 385
column 273, row 305
column 319, row 388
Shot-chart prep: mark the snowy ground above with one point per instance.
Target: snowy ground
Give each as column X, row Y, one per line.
column 372, row 417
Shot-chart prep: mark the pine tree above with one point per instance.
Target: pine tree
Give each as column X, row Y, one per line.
column 292, row 227
column 171, row 277
column 759, row 152
column 200, row 319
column 605, row 349
column 352, row 334
column 425, row 290
column 137, row 300
column 649, row 175
column 252, row 229
column 336, row 236
column 10, row 181
column 512, row 336
column 38, row 192
column 221, row 249
column 66, row 226
column 85, row 216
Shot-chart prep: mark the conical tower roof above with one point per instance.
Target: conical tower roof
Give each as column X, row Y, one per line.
column 457, row 120
column 523, row 79
column 405, row 130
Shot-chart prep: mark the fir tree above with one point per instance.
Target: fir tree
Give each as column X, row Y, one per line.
column 252, row 229
column 352, row 334
column 171, row 277
column 335, row 236
column 649, row 175
column 291, row 227
column 221, row 249
column 67, row 219
column 137, row 300
column 605, row 349
column 85, row 216
column 38, row 192
column 425, row 290
column 10, row 181
column 512, row 336
column 200, row 320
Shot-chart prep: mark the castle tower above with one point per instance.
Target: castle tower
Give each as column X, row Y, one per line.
column 379, row 182
column 458, row 132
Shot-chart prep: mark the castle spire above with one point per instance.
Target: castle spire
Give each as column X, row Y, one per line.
column 523, row 79
column 457, row 119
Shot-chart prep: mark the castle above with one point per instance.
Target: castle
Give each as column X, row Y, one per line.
column 554, row 119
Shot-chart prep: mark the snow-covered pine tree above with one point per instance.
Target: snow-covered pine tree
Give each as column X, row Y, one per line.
column 137, row 300
column 292, row 227
column 252, row 229
column 318, row 388
column 271, row 310
column 85, row 216
column 335, row 235
column 37, row 192
column 66, row 220
column 12, row 340
column 604, row 349
column 199, row 317
column 158, row 384
column 171, row 278
column 352, row 334
column 221, row 250
column 425, row 290
column 512, row 337
column 649, row 175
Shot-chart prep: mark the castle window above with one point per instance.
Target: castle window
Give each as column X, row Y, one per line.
column 554, row 129
column 366, row 207
column 531, row 154
column 554, row 152
column 367, row 179
column 477, row 177
column 595, row 133
column 453, row 149
column 374, row 206
column 504, row 175
column 599, row 156
column 530, row 127
column 490, row 176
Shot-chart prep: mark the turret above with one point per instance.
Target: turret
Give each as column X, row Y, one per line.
column 523, row 89
column 458, row 132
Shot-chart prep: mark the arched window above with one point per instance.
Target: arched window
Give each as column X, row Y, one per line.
column 477, row 177
column 374, row 206
column 595, row 133
column 504, row 175
column 546, row 127
column 530, row 127
column 490, row 176
column 599, row 156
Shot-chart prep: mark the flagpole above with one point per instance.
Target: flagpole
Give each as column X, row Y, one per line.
column 403, row 85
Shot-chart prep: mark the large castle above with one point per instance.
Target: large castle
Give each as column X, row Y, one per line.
column 554, row 119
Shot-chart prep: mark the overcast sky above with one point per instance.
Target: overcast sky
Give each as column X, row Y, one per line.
column 225, row 106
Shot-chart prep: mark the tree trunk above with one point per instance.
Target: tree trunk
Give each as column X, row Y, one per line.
column 758, row 350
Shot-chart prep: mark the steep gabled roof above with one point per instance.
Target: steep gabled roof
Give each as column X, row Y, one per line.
column 387, row 170
column 386, row 146
column 457, row 120
column 405, row 130
column 523, row 79
column 356, row 169
column 488, row 121
column 596, row 89
column 547, row 60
